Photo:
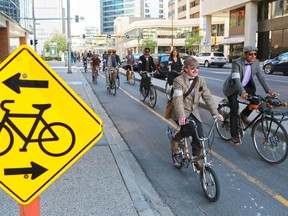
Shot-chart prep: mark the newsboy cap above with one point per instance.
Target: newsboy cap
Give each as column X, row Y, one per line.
column 249, row 48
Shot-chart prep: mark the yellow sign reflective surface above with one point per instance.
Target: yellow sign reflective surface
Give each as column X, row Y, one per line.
column 44, row 125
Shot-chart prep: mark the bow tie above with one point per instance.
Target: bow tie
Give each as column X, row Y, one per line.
column 248, row 64
column 191, row 79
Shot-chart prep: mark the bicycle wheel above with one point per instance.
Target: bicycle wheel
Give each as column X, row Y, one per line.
column 143, row 93
column 56, row 139
column 270, row 140
column 152, row 94
column 117, row 81
column 132, row 79
column 7, row 136
column 113, row 86
column 168, row 90
column 223, row 128
column 210, row 184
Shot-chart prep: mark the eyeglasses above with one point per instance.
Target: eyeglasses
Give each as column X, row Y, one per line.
column 252, row 53
column 193, row 67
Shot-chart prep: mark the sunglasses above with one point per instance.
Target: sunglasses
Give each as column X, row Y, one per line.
column 147, row 51
column 252, row 53
column 193, row 67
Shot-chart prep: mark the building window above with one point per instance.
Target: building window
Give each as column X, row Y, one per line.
column 182, row 8
column 237, row 17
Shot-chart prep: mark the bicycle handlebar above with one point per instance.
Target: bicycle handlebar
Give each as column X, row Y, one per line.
column 3, row 104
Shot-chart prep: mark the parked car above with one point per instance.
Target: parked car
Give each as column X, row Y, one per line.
column 211, row 58
column 161, row 65
column 136, row 61
column 277, row 64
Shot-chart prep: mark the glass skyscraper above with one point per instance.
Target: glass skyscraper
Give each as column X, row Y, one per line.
column 111, row 9
column 19, row 10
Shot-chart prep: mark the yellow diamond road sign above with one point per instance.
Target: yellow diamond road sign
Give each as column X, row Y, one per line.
column 44, row 125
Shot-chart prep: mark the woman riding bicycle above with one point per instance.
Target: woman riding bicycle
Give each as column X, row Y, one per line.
column 129, row 66
column 95, row 64
column 187, row 106
column 174, row 66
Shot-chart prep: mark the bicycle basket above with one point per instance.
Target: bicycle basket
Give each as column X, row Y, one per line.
column 275, row 108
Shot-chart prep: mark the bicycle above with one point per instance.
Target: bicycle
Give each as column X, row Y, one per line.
column 209, row 180
column 130, row 76
column 117, row 78
column 95, row 73
column 112, row 82
column 85, row 65
column 51, row 132
column 149, row 90
column 169, row 88
column 269, row 136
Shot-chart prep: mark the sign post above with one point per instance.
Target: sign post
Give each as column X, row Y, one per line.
column 45, row 126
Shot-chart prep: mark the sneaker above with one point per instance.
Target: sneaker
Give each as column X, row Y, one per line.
column 244, row 119
column 198, row 166
column 235, row 139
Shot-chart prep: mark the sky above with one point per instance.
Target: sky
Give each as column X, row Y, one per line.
column 90, row 9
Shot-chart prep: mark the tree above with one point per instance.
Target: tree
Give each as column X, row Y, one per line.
column 60, row 39
column 194, row 40
column 150, row 43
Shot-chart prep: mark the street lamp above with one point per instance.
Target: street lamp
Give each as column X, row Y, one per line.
column 172, row 17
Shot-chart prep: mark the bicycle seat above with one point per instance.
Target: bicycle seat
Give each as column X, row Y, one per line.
column 41, row 106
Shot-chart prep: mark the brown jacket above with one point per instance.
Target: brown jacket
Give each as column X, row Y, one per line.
column 183, row 108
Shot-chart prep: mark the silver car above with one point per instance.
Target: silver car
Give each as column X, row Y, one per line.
column 211, row 58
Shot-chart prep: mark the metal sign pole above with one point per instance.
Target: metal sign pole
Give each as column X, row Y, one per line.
column 69, row 36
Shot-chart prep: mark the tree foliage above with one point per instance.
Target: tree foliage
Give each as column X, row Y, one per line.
column 60, row 39
column 192, row 41
column 150, row 43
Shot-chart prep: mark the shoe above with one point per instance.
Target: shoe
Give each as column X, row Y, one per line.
column 235, row 139
column 244, row 119
column 198, row 166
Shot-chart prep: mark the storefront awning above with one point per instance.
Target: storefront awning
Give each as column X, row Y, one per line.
column 233, row 40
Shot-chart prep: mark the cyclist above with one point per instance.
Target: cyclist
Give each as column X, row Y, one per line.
column 95, row 64
column 84, row 60
column 129, row 66
column 240, row 82
column 174, row 64
column 110, row 65
column 146, row 63
column 188, row 106
column 118, row 62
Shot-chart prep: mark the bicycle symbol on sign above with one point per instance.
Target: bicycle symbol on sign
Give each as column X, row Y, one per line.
column 48, row 137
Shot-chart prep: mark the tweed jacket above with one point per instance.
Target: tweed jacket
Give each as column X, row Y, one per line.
column 233, row 84
column 184, row 107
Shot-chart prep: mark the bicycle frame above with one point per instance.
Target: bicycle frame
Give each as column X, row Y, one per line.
column 38, row 118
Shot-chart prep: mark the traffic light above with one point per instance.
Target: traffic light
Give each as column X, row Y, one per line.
column 83, row 36
column 31, row 42
column 36, row 42
column 76, row 18
column 127, row 36
column 109, row 36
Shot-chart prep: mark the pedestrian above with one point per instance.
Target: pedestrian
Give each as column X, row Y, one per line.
column 146, row 63
column 186, row 104
column 241, row 82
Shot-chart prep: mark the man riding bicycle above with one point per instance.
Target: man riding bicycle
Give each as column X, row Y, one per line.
column 95, row 64
column 188, row 106
column 110, row 65
column 147, row 64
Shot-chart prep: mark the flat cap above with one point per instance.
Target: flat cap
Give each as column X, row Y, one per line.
column 249, row 48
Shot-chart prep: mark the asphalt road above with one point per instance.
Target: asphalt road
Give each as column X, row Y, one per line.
column 249, row 186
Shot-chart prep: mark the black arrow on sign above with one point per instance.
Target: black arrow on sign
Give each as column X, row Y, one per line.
column 35, row 169
column 15, row 83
